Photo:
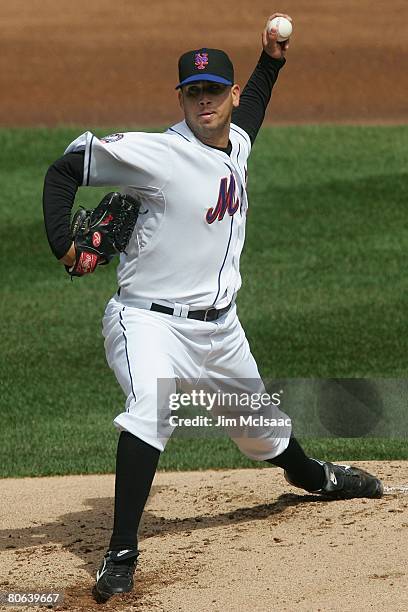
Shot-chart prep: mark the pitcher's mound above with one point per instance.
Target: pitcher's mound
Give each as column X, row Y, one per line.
column 211, row 541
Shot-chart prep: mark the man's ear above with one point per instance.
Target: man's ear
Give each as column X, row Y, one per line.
column 235, row 92
column 180, row 99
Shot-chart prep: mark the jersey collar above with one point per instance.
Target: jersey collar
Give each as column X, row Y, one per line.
column 184, row 131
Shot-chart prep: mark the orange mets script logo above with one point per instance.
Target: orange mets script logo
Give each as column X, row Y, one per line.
column 201, row 60
column 227, row 201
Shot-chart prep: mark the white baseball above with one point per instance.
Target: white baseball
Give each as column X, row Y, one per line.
column 283, row 26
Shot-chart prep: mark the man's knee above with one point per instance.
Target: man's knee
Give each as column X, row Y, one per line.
column 261, row 449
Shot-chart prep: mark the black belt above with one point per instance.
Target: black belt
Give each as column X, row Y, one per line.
column 211, row 314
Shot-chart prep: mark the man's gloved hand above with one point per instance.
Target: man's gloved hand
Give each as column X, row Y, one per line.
column 101, row 233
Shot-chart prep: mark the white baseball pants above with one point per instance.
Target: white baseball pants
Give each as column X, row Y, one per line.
column 143, row 346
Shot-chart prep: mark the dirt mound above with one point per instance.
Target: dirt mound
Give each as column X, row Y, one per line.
column 115, row 63
column 212, row 541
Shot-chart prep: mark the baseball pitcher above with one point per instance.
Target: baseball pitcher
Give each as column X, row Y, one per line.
column 177, row 223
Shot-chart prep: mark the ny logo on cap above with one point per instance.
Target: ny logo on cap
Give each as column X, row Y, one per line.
column 201, row 60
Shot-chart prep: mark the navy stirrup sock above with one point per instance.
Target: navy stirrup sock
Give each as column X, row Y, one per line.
column 307, row 472
column 136, row 463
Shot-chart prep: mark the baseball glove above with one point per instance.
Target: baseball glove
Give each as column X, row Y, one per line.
column 101, row 233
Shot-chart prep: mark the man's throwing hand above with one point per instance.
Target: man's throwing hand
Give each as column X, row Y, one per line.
column 270, row 43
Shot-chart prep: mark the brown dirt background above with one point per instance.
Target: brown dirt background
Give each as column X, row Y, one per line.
column 216, row 540
column 213, row 541
column 113, row 62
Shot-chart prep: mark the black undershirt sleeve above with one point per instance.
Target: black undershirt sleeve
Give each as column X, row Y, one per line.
column 256, row 95
column 60, row 186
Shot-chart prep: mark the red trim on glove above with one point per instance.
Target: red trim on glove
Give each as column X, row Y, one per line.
column 86, row 263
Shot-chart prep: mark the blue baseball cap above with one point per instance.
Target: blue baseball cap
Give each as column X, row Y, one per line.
column 205, row 65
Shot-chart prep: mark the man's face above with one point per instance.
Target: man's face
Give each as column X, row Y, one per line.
column 207, row 107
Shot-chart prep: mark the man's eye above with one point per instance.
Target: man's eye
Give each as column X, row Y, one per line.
column 216, row 89
column 192, row 92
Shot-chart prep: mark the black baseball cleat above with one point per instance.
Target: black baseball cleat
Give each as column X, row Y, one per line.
column 345, row 482
column 115, row 576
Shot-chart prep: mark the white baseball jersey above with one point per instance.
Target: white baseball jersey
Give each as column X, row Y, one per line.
column 188, row 239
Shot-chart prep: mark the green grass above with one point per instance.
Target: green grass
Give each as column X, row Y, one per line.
column 324, row 294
